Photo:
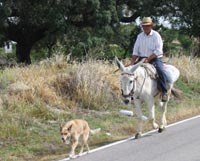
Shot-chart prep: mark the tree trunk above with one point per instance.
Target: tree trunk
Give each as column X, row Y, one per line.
column 23, row 53
column 49, row 47
column 198, row 51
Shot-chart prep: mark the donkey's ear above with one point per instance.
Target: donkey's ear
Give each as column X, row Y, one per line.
column 119, row 64
column 137, row 65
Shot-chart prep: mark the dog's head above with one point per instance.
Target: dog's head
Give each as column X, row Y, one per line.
column 65, row 131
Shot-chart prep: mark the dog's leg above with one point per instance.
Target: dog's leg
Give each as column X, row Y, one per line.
column 74, row 145
column 88, row 148
column 81, row 151
column 84, row 143
column 82, row 146
column 85, row 139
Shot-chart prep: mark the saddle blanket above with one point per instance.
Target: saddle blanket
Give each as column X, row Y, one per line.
column 171, row 71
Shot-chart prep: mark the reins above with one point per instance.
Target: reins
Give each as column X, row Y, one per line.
column 145, row 76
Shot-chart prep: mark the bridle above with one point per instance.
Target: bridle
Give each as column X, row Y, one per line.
column 133, row 90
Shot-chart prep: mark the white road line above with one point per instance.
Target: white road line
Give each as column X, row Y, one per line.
column 133, row 137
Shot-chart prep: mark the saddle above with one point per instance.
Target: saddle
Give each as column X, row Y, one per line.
column 151, row 70
column 152, row 73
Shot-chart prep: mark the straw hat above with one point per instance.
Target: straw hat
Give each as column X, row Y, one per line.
column 146, row 21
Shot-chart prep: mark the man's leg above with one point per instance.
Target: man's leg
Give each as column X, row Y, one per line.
column 158, row 64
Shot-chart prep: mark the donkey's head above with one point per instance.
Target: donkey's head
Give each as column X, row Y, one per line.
column 128, row 80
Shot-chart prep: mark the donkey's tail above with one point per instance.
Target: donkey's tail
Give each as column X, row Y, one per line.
column 176, row 93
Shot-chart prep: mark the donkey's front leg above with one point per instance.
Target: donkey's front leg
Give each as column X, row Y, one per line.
column 151, row 108
column 138, row 111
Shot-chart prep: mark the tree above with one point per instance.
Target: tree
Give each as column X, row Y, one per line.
column 140, row 8
column 27, row 22
column 186, row 18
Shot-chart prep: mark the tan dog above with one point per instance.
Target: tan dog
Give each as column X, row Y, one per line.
column 72, row 131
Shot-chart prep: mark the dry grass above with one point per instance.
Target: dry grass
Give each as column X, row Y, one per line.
column 54, row 81
column 91, row 85
column 189, row 69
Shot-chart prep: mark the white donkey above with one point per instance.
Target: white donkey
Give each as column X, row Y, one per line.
column 138, row 86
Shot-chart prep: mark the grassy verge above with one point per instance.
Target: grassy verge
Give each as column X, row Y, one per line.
column 35, row 100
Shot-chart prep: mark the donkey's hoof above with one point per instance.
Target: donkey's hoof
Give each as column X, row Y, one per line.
column 138, row 135
column 72, row 156
column 160, row 130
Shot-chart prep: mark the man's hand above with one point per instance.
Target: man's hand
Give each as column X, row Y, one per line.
column 150, row 58
column 146, row 60
column 128, row 65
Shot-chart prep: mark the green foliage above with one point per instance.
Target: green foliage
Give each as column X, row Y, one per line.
column 2, row 40
column 133, row 37
column 38, row 54
column 188, row 19
column 169, row 34
column 185, row 41
column 114, row 50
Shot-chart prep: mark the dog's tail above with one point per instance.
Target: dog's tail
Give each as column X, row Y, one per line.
column 94, row 131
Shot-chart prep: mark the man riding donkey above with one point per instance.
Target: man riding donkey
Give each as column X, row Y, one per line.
column 149, row 46
column 138, row 83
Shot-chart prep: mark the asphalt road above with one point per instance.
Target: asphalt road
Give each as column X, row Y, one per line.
column 180, row 142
